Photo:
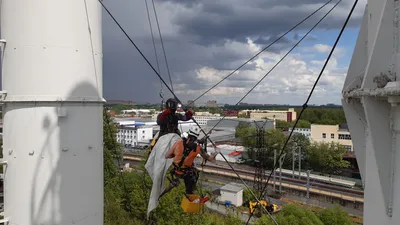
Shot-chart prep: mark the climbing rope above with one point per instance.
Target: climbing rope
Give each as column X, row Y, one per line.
column 162, row 45
column 155, row 53
column 309, row 96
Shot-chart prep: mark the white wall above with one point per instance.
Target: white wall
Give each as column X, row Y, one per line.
column 131, row 136
column 144, row 134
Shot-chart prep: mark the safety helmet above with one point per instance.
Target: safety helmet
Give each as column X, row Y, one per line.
column 172, row 104
column 193, row 132
column 185, row 135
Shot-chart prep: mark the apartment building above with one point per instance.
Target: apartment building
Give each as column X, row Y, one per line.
column 329, row 133
column 131, row 135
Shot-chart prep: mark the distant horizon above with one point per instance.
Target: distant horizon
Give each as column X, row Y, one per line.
column 129, row 102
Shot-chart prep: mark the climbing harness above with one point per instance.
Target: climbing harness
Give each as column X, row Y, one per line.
column 178, row 172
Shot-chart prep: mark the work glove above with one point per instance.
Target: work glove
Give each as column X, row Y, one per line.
column 167, row 112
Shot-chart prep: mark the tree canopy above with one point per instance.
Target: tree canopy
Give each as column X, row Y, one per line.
column 321, row 157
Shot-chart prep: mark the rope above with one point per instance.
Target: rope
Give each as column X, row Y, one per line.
column 155, row 52
column 162, row 45
column 264, row 49
column 155, row 71
column 311, row 92
column 277, row 63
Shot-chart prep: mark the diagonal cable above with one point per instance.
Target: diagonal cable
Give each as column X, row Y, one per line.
column 262, row 50
column 309, row 96
column 162, row 45
column 278, row 63
column 154, row 44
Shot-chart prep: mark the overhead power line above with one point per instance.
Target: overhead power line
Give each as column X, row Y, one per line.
column 298, row 42
column 262, row 50
column 162, row 45
column 154, row 45
column 309, row 96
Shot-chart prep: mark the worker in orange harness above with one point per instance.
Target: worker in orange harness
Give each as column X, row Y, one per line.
column 184, row 153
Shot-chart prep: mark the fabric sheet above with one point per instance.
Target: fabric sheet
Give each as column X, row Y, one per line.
column 157, row 166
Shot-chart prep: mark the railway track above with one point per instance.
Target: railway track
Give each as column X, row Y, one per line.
column 248, row 174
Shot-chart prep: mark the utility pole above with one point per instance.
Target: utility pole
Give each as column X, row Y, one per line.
column 308, row 185
column 274, row 167
column 293, row 160
column 280, row 172
column 299, row 162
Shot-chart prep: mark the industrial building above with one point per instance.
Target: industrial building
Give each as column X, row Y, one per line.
column 329, row 133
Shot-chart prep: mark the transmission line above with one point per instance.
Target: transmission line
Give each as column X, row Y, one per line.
column 262, row 50
column 309, row 96
column 162, row 45
column 278, row 62
column 155, row 49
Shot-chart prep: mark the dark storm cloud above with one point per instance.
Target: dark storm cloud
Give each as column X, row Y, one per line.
column 196, row 39
column 214, row 21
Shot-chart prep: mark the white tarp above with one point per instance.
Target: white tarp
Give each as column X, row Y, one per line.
column 157, row 166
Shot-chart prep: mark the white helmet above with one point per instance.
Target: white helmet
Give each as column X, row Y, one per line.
column 194, row 132
column 184, row 135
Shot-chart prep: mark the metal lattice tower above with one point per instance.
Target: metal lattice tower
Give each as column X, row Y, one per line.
column 261, row 157
column 371, row 101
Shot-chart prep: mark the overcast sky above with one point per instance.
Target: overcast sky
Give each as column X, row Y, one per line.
column 206, row 39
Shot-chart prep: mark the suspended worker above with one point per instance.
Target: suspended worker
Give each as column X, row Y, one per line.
column 168, row 120
column 184, row 153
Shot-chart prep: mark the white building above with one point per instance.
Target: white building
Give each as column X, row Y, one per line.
column 232, row 192
column 305, row 131
column 202, row 120
column 131, row 136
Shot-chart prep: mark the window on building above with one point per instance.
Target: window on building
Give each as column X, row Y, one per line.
column 344, row 137
column 143, row 137
column 142, row 131
column 333, row 136
column 323, row 135
column 347, row 147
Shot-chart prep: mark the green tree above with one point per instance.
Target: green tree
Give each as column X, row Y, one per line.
column 112, row 150
column 334, row 216
column 136, row 195
column 326, row 157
